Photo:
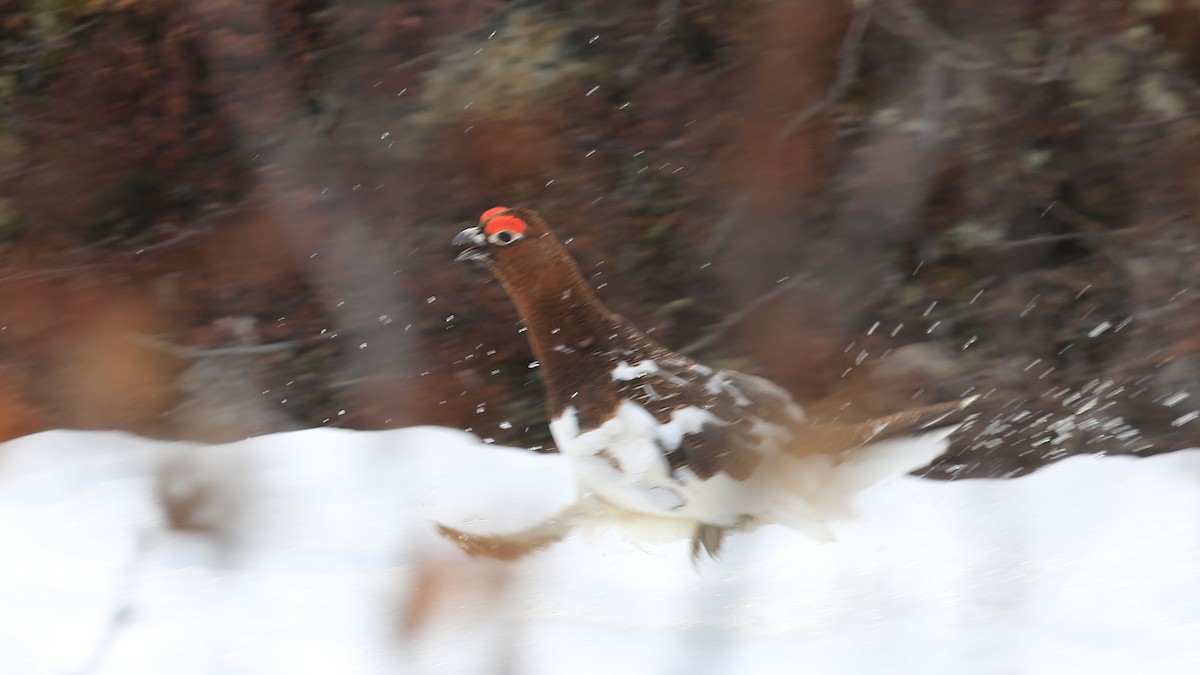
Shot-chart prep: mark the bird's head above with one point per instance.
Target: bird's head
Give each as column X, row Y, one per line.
column 537, row 272
column 505, row 237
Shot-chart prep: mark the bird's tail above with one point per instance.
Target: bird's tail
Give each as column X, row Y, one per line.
column 838, row 462
column 904, row 442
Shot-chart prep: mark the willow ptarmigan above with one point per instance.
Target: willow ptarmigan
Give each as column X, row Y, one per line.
column 662, row 444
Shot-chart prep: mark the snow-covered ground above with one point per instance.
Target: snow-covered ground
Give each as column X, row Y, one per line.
column 313, row 552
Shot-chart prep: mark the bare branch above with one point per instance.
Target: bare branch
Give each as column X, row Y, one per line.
column 848, row 59
column 910, row 23
column 193, row 353
column 733, row 319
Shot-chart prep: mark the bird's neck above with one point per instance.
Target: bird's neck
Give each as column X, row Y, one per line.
column 576, row 340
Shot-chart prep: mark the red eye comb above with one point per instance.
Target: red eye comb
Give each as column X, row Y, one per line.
column 491, row 212
column 510, row 223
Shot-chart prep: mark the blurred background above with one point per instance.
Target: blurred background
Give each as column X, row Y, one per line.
column 226, row 218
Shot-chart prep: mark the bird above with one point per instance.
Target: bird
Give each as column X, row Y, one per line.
column 662, row 445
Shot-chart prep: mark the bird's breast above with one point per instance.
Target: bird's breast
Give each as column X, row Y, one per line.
column 624, row 459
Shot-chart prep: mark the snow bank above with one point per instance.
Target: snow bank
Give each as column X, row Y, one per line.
column 312, row 552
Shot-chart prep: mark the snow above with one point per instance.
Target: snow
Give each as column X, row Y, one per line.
column 314, row 552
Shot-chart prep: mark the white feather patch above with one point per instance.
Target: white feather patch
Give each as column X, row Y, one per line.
column 642, row 480
column 623, row 372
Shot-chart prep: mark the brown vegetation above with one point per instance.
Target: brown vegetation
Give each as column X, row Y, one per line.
column 880, row 202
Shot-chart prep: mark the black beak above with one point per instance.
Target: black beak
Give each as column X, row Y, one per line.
column 473, row 238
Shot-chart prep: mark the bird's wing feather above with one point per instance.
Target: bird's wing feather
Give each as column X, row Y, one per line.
column 504, row 546
column 747, row 415
column 520, row 543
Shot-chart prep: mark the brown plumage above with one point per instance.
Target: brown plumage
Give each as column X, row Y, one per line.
column 658, row 439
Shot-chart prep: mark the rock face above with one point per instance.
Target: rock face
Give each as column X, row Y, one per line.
column 999, row 200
